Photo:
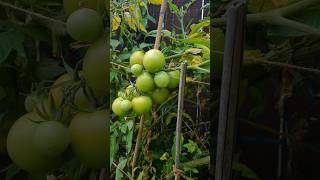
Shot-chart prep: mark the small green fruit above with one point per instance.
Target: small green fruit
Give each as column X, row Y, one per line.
column 136, row 69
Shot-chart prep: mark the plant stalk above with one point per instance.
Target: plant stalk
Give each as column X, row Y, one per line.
column 160, row 23
column 179, row 117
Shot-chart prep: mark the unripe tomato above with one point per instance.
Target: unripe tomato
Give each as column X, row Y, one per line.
column 141, row 104
column 89, row 138
column 144, row 82
column 154, row 60
column 116, row 107
column 21, row 149
column 85, row 25
column 136, row 69
column 95, row 68
column 30, row 102
column 174, row 79
column 160, row 95
column 136, row 58
column 70, row 6
column 82, row 101
column 125, row 105
column 162, row 79
column 51, row 138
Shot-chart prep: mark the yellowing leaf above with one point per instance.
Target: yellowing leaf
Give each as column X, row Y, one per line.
column 142, row 28
column 188, row 79
column 116, row 20
column 193, row 50
column 165, row 156
column 130, row 21
column 155, row 2
column 141, row 3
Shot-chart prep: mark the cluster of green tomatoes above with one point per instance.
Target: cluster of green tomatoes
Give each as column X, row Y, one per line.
column 152, row 85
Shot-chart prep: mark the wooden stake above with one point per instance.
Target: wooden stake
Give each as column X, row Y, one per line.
column 179, row 117
column 233, row 55
column 160, row 23
column 136, row 148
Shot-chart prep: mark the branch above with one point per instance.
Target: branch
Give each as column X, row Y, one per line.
column 31, row 13
column 277, row 17
column 160, row 22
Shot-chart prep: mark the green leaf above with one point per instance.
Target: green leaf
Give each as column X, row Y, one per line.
column 191, row 146
column 202, row 41
column 140, row 175
column 196, row 27
column 144, row 45
column 129, row 138
column 113, row 148
column 164, row 33
column 11, row 41
column 114, row 43
column 121, row 165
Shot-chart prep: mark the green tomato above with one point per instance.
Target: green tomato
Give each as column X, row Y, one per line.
column 174, row 79
column 136, row 69
column 85, row 25
column 162, row 79
column 23, row 151
column 145, row 82
column 89, row 138
column 142, row 104
column 116, row 107
column 136, row 58
column 95, row 69
column 51, row 138
column 125, row 105
column 160, row 95
column 154, row 60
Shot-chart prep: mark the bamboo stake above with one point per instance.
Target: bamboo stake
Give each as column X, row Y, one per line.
column 179, row 119
column 136, row 148
column 160, row 23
